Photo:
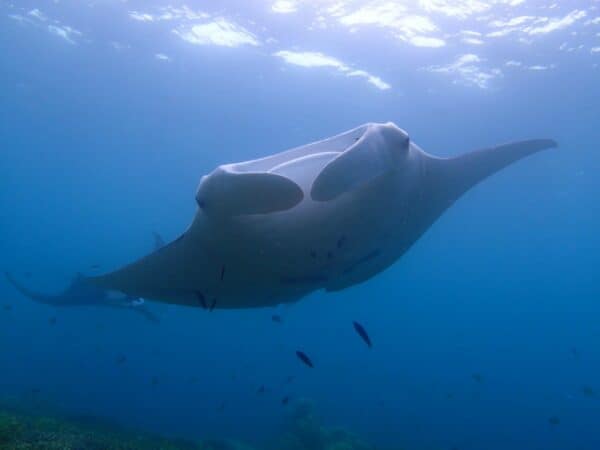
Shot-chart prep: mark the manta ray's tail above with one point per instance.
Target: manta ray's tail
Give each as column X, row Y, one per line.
column 36, row 296
column 454, row 176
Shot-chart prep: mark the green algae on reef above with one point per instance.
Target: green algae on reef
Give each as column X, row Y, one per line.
column 20, row 431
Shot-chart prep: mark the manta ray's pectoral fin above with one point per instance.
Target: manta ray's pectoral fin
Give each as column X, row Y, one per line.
column 231, row 193
column 379, row 150
column 451, row 177
column 167, row 273
column 35, row 296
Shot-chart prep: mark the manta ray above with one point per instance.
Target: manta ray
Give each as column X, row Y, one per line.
column 323, row 216
column 80, row 292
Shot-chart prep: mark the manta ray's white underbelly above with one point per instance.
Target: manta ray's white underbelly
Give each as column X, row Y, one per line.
column 278, row 258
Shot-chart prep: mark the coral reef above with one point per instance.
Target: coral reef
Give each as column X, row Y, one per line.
column 305, row 432
column 20, row 430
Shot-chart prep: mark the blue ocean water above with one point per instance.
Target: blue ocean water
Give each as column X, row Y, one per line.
column 488, row 327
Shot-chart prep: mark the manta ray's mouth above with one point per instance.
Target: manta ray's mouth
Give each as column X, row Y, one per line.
column 305, row 169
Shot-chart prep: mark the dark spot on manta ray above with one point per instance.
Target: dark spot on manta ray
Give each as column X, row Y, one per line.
column 304, row 358
column 362, row 260
column 201, row 299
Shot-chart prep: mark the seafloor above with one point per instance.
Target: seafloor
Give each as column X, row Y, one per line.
column 20, row 429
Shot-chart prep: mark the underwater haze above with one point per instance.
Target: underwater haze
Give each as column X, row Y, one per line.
column 485, row 334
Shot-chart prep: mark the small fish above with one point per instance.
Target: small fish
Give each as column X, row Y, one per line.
column 554, row 421
column 52, row 321
column 260, row 390
column 121, row 359
column 575, row 352
column 588, row 391
column 222, row 272
column 362, row 333
column 285, row 400
column 305, row 359
column 289, row 379
column 221, row 406
column 154, row 380
column 35, row 391
column 95, row 266
column 276, row 318
column 477, row 377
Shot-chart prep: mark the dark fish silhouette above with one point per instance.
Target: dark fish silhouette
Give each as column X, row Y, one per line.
column 362, row 333
column 222, row 272
column 305, row 359
column 260, row 390
column 52, row 321
column 553, row 421
column 154, row 380
column 588, row 391
column 285, row 400
column 221, row 406
column 276, row 318
column 121, row 359
column 575, row 352
column 477, row 377
column 289, row 379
